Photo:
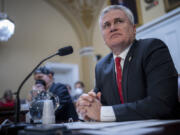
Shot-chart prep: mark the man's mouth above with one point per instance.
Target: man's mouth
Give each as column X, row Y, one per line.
column 115, row 35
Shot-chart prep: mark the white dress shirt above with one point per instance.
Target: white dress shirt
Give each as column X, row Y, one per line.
column 107, row 112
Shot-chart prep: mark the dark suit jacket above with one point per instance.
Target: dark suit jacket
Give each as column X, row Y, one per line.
column 66, row 109
column 149, row 82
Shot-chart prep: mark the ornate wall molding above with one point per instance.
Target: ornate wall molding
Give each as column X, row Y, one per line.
column 82, row 15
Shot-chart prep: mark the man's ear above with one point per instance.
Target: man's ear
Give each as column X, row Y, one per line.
column 134, row 27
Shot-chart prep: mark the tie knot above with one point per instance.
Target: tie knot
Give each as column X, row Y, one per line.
column 118, row 59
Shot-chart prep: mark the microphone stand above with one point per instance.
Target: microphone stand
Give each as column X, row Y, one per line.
column 61, row 52
column 12, row 128
column 17, row 108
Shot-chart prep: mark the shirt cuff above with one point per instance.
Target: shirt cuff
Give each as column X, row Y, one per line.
column 107, row 113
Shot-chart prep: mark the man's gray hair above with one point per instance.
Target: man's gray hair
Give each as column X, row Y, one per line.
column 126, row 10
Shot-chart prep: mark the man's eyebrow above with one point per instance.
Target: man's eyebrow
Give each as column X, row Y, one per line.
column 114, row 19
column 119, row 18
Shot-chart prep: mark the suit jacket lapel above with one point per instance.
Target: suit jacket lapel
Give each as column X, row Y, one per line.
column 112, row 79
column 127, row 61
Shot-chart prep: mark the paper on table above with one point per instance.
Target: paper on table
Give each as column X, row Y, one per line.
column 117, row 126
column 138, row 125
column 93, row 125
column 139, row 131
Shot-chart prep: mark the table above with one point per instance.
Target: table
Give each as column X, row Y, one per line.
column 143, row 127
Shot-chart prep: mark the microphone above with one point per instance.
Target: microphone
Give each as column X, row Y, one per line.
column 65, row 51
column 61, row 52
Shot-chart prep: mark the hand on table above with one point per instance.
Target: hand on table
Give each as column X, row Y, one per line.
column 89, row 106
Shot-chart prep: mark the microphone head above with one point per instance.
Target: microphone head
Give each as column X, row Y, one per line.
column 65, row 51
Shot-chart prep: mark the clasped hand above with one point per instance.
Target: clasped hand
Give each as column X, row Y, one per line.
column 89, row 106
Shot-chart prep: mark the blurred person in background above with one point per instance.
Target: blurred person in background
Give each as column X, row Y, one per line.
column 78, row 90
column 7, row 100
column 66, row 110
column 69, row 88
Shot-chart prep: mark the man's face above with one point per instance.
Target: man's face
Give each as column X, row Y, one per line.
column 117, row 30
column 78, row 85
column 38, row 86
column 9, row 97
column 47, row 78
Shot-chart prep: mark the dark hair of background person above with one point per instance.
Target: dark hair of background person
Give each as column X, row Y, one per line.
column 44, row 70
column 81, row 83
column 7, row 93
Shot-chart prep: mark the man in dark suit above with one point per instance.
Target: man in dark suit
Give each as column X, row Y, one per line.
column 66, row 109
column 136, row 81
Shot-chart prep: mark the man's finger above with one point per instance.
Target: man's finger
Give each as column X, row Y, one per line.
column 86, row 118
column 92, row 94
column 84, row 103
column 87, row 97
column 82, row 97
column 99, row 95
column 91, row 90
column 82, row 111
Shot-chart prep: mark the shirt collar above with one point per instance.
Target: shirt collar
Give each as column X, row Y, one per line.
column 123, row 54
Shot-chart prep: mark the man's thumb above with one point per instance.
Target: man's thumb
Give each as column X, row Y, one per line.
column 99, row 95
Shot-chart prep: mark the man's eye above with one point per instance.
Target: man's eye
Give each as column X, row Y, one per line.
column 106, row 25
column 118, row 20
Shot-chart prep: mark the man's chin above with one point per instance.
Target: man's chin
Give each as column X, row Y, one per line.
column 115, row 44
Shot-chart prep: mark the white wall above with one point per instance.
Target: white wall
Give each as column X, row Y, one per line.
column 167, row 29
column 64, row 73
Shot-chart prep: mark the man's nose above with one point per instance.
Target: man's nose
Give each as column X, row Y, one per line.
column 113, row 28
